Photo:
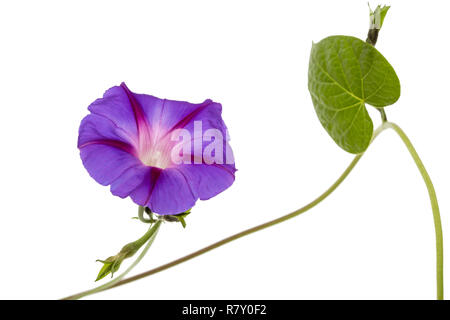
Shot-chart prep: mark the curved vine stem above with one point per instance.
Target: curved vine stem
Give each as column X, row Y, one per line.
column 434, row 207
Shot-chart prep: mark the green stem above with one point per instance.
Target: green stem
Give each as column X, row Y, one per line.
column 141, row 217
column 434, row 207
column 150, row 233
column 383, row 115
column 150, row 237
column 254, row 229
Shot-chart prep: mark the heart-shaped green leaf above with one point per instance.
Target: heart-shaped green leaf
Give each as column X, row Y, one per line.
column 344, row 74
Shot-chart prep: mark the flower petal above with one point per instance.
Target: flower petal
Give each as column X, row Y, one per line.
column 104, row 148
column 210, row 115
column 178, row 114
column 129, row 180
column 115, row 106
column 167, row 115
column 105, row 163
column 172, row 193
column 94, row 127
column 208, row 180
column 142, row 193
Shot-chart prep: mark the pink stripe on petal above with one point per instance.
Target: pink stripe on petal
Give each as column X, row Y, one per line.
column 112, row 143
column 172, row 193
column 143, row 192
column 141, row 121
column 154, row 176
column 188, row 118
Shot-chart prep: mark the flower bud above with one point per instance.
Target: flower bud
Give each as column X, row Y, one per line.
column 377, row 17
column 112, row 264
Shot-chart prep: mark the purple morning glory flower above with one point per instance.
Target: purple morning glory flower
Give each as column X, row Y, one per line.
column 164, row 154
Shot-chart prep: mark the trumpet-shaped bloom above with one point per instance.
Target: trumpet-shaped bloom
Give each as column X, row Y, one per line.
column 159, row 152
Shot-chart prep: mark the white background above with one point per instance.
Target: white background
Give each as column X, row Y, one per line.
column 372, row 239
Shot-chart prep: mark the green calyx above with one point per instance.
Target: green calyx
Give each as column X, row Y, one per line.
column 152, row 217
column 177, row 217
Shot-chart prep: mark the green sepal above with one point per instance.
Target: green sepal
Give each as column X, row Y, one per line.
column 181, row 217
column 176, row 217
column 110, row 265
column 377, row 16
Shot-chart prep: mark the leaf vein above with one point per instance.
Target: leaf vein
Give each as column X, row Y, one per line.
column 334, row 80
